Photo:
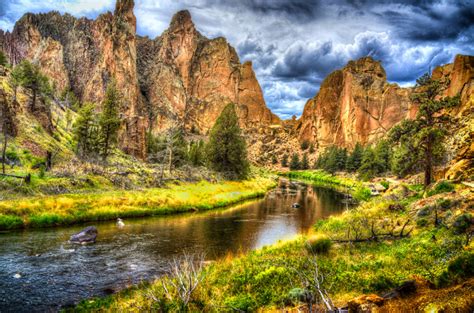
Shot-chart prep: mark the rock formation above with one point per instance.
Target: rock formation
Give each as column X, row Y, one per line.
column 187, row 78
column 460, row 143
column 179, row 78
column 354, row 104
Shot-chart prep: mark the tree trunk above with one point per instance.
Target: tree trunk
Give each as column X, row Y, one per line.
column 4, row 150
column 428, row 165
column 49, row 160
column 33, row 103
column 170, row 159
column 106, row 148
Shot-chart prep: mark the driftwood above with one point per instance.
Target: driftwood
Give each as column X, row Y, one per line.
column 376, row 237
column 26, row 178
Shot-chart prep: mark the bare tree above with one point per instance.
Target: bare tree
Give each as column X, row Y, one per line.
column 184, row 276
column 314, row 294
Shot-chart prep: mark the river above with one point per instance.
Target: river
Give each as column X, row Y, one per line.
column 41, row 272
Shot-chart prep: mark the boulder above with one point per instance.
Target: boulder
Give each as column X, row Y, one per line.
column 87, row 235
column 365, row 303
column 405, row 289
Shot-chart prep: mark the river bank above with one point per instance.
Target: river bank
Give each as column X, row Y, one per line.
column 67, row 209
column 382, row 244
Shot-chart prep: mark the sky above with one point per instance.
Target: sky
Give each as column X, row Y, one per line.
column 295, row 44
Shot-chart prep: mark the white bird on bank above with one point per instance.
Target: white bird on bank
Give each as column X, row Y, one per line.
column 120, row 223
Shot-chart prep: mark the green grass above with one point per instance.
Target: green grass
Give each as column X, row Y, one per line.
column 270, row 277
column 67, row 209
column 319, row 177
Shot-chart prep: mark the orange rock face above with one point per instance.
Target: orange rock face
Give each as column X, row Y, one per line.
column 354, row 104
column 179, row 78
column 188, row 79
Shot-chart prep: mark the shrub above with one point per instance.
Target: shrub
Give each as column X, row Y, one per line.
column 459, row 269
column 441, row 187
column 319, row 244
column 243, row 303
column 462, row 223
column 305, row 145
column 422, row 222
column 385, row 184
column 380, row 283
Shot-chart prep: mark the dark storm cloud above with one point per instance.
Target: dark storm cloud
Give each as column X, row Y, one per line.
column 432, row 23
column 295, row 44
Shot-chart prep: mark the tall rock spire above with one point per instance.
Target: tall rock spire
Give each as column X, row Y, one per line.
column 124, row 9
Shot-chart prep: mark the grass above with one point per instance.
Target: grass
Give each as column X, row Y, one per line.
column 269, row 278
column 67, row 209
column 319, row 177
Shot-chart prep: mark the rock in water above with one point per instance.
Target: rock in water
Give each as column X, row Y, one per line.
column 87, row 235
column 120, row 223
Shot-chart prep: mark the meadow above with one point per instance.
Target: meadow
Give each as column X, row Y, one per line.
column 55, row 210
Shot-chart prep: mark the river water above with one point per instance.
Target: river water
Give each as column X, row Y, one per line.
column 41, row 272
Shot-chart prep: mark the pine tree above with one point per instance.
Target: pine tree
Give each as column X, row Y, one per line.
column 274, row 159
column 196, row 153
column 3, row 59
column 382, row 156
column 341, row 159
column 29, row 76
column 109, row 120
column 368, row 167
column 355, row 158
column 295, row 162
column 305, row 162
column 284, row 160
column 422, row 138
column 85, row 131
column 226, row 150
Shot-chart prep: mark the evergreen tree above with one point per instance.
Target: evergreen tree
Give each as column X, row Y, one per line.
column 109, row 120
column 341, row 159
column 29, row 76
column 274, row 159
column 196, row 153
column 284, row 161
column 305, row 162
column 422, row 138
column 368, row 167
column 85, row 131
column 305, row 145
column 226, row 150
column 382, row 156
column 295, row 162
column 355, row 158
column 3, row 59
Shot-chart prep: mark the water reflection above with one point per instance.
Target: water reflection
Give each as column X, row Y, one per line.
column 55, row 273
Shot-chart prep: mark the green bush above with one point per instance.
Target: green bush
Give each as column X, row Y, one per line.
column 441, row 187
column 305, row 145
column 459, row 269
column 462, row 223
column 380, row 283
column 422, row 222
column 385, row 184
column 319, row 244
column 243, row 303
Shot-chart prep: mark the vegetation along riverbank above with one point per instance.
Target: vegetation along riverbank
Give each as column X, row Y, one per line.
column 394, row 250
column 67, row 209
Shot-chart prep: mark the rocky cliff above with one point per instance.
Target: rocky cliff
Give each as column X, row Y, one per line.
column 354, row 104
column 178, row 78
column 187, row 78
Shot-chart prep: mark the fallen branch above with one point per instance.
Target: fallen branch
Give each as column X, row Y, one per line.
column 26, row 178
column 376, row 237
